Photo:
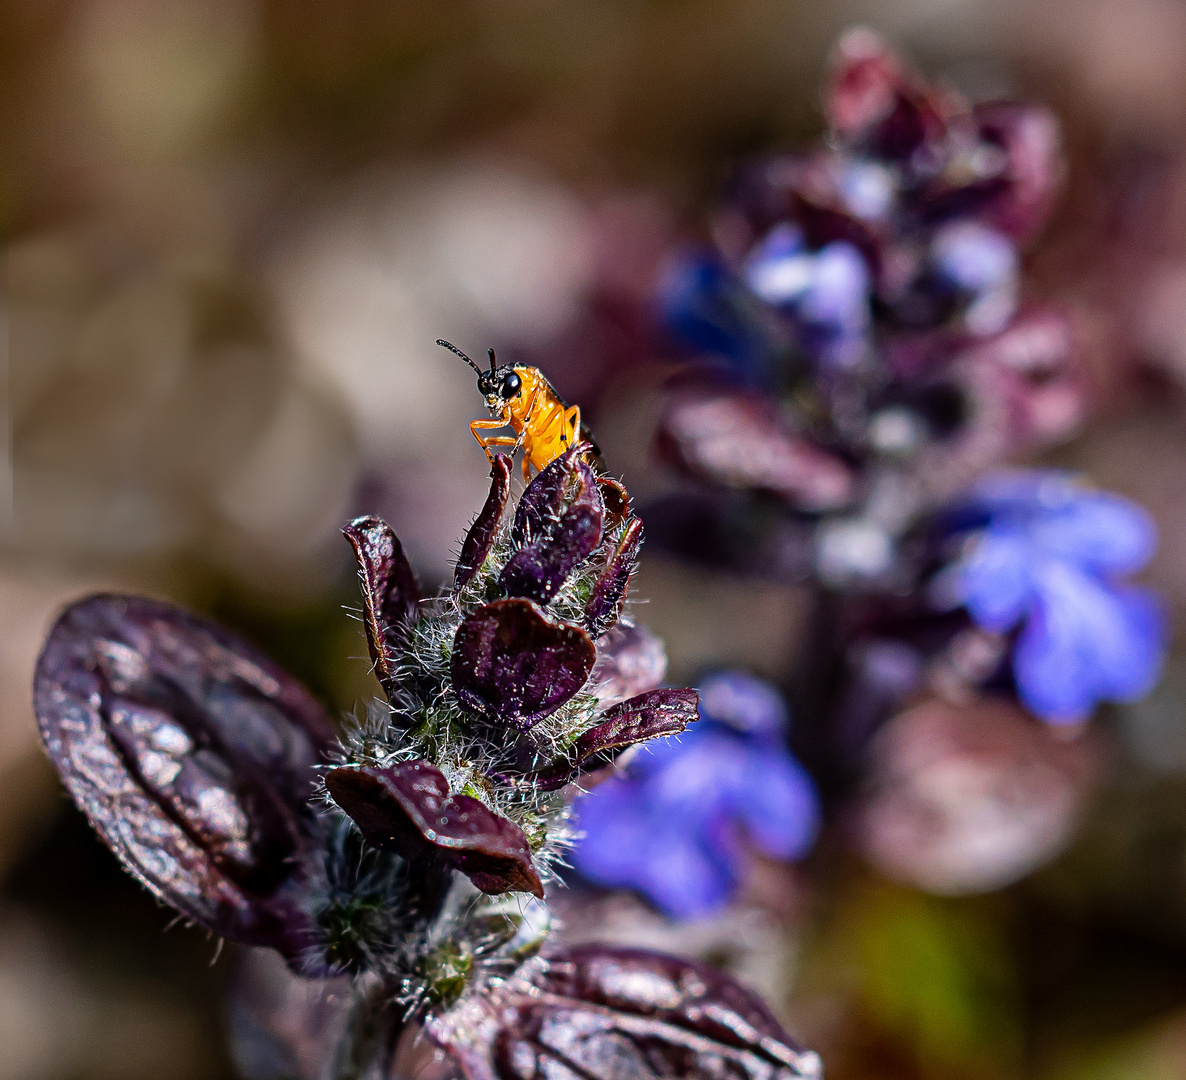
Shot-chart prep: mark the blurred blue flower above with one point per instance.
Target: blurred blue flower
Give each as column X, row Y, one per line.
column 825, row 292
column 785, row 295
column 981, row 265
column 675, row 825
column 710, row 311
column 1048, row 554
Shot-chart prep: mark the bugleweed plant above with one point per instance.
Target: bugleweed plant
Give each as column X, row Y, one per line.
column 411, row 852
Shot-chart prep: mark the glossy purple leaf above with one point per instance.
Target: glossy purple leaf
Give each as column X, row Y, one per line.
column 565, row 484
column 630, row 661
column 619, row 1014
column 539, row 570
column 735, row 440
column 515, row 665
column 1031, row 139
column 407, row 808
column 666, row 711
column 480, row 538
column 389, row 592
column 609, row 592
column 877, row 105
column 192, row 755
column 558, row 524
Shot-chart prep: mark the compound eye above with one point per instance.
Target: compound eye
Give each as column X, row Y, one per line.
column 510, row 385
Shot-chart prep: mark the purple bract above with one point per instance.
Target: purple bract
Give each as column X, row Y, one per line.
column 192, row 755
column 389, row 591
column 515, row 665
column 620, row 1014
column 408, row 809
column 480, row 538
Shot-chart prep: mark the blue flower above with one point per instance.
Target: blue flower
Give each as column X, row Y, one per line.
column 982, row 265
column 825, row 292
column 675, row 825
column 710, row 311
column 1048, row 555
column 785, row 295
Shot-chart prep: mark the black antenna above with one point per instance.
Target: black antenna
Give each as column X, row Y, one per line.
column 453, row 348
column 491, row 352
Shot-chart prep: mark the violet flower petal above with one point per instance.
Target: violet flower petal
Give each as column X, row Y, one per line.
column 515, row 665
column 619, row 1014
column 407, row 809
column 192, row 755
column 604, row 606
column 389, row 592
column 480, row 538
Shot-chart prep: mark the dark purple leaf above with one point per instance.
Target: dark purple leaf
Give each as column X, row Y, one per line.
column 557, row 525
column 192, row 755
column 407, row 809
column 1042, row 384
column 480, row 537
column 1034, row 164
column 666, row 711
column 1020, row 148
column 538, row 570
column 656, row 713
column 874, row 104
column 630, row 661
column 566, row 484
column 389, row 592
column 619, row 1014
column 515, row 665
column 1018, row 804
column 605, row 602
column 737, row 441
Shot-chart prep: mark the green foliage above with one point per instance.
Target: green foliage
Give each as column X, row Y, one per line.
column 928, row 972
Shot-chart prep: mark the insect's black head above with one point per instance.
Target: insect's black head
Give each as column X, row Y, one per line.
column 499, row 384
column 502, row 383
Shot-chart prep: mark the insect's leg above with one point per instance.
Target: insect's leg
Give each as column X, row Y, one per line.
column 490, row 440
column 572, row 426
column 526, row 468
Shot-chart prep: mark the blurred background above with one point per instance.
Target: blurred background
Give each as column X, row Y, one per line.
column 234, row 229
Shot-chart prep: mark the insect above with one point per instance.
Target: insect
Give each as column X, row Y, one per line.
column 522, row 399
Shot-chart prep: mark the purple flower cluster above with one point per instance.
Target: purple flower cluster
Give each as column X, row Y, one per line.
column 675, row 823
column 862, row 362
column 866, row 363
column 863, row 347
column 911, row 218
